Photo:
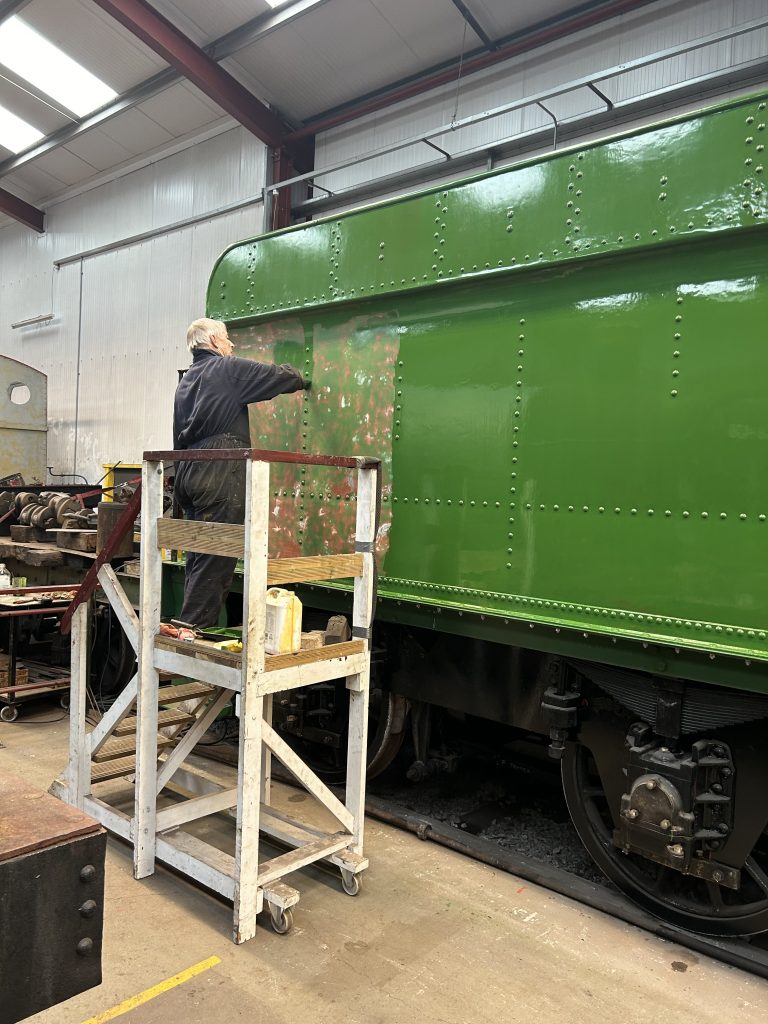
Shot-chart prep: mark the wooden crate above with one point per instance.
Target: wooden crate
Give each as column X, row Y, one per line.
column 22, row 672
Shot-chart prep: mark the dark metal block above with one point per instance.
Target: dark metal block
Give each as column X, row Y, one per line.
column 51, row 900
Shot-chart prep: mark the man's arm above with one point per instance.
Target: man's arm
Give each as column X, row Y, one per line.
column 258, row 382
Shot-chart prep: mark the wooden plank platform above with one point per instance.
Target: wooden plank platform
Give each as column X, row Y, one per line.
column 201, row 650
column 165, row 718
column 113, row 769
column 229, row 539
column 116, row 748
column 184, row 691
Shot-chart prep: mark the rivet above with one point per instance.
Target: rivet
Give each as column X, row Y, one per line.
column 667, row 513
column 705, row 515
column 673, row 393
column 723, row 515
column 686, row 515
column 743, row 516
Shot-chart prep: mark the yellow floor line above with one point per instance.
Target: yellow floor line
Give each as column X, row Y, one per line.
column 156, row 990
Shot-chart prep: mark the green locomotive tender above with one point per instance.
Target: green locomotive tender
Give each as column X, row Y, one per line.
column 564, row 367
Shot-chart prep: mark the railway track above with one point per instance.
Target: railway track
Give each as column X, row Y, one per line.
column 751, row 956
column 471, row 807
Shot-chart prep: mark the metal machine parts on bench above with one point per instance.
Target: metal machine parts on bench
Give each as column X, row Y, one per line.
column 46, row 510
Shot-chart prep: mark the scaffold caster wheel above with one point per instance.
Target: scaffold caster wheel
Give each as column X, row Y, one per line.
column 64, row 702
column 350, row 882
column 9, row 713
column 282, row 920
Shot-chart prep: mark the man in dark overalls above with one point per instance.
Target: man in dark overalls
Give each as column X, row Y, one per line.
column 210, row 410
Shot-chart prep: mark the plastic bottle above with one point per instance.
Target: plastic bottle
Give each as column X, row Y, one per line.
column 283, row 632
column 6, row 580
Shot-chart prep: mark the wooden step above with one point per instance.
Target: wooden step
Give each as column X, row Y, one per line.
column 171, row 717
column 113, row 749
column 184, row 691
column 113, row 769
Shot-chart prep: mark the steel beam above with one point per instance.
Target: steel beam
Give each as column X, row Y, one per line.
column 21, row 211
column 253, row 30
column 162, row 36
column 475, row 25
column 10, row 7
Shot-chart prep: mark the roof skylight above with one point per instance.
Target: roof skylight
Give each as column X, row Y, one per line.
column 49, row 69
column 16, row 134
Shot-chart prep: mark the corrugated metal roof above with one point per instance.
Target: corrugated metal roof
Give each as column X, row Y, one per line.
column 204, row 21
column 349, row 47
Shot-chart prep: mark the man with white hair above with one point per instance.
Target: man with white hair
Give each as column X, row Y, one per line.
column 210, row 410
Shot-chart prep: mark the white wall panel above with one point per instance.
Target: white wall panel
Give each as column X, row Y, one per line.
column 661, row 25
column 112, row 357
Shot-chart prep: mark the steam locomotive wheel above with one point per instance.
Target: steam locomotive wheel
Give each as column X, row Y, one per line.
column 385, row 736
column 685, row 901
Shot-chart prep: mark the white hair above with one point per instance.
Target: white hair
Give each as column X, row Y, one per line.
column 200, row 332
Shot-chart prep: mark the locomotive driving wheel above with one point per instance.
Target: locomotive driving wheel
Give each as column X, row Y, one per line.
column 322, row 740
column 689, row 902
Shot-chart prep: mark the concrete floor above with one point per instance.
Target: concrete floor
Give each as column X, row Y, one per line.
column 432, row 937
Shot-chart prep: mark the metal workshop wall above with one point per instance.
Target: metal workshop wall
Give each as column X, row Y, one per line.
column 657, row 27
column 116, row 340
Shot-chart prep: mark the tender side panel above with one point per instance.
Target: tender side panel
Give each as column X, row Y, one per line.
column 353, row 363
column 570, row 440
column 697, row 176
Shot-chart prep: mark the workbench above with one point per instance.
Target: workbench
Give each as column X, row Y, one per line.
column 39, row 555
column 15, row 604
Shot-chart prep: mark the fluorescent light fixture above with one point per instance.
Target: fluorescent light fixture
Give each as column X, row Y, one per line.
column 16, row 134
column 36, row 60
column 44, row 318
column 277, row 3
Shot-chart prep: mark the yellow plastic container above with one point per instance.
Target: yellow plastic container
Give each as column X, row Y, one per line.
column 283, row 633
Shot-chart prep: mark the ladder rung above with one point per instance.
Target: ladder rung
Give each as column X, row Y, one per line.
column 125, row 745
column 184, row 691
column 173, row 716
column 113, row 769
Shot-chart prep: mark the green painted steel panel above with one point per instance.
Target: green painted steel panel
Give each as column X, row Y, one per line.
column 563, row 366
